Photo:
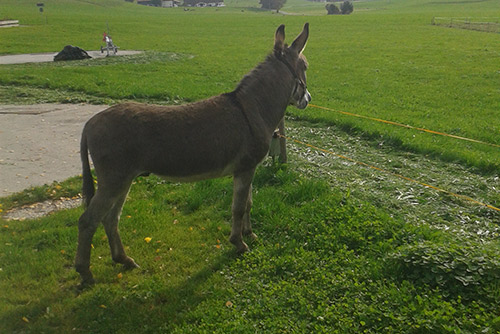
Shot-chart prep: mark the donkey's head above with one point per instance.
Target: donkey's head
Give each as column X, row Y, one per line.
column 296, row 62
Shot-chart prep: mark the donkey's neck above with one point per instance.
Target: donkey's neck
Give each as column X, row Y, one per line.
column 266, row 91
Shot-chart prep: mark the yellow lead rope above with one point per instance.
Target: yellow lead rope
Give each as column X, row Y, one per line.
column 405, row 126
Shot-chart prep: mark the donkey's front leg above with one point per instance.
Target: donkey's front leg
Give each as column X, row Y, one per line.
column 241, row 207
column 247, row 224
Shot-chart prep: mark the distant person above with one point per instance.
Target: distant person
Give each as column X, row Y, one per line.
column 106, row 38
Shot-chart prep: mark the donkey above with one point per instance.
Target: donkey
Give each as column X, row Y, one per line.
column 224, row 135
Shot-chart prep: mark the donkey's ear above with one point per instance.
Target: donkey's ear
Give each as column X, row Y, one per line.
column 279, row 39
column 299, row 43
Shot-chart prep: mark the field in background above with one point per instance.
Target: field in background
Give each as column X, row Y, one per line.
column 386, row 60
column 342, row 249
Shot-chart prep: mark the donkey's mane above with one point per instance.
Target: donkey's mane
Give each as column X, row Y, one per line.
column 253, row 75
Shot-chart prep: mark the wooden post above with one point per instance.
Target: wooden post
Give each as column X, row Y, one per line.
column 274, row 148
column 278, row 143
column 281, row 127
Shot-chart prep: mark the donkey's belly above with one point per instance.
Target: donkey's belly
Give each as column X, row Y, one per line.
column 199, row 176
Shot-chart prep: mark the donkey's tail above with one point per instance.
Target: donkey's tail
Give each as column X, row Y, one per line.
column 88, row 189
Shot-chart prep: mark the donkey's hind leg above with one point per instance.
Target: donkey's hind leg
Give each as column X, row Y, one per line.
column 110, row 223
column 100, row 206
column 87, row 225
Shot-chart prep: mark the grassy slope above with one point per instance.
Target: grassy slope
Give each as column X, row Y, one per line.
column 327, row 259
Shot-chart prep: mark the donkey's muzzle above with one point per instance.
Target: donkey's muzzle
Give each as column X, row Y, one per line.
column 304, row 101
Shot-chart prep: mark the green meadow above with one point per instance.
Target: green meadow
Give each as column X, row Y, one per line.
column 342, row 248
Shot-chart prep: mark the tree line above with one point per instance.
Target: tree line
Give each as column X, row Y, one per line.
column 272, row 4
column 345, row 8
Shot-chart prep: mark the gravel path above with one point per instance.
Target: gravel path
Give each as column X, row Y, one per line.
column 48, row 57
column 39, row 144
column 38, row 210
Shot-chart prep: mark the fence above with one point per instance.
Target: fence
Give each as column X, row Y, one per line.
column 480, row 24
column 9, row 23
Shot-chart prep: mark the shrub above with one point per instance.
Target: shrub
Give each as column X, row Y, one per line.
column 332, row 9
column 272, row 4
column 346, row 8
column 461, row 268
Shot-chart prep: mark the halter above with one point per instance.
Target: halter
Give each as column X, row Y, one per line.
column 300, row 82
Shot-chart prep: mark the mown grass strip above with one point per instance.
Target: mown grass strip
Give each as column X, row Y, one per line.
column 467, row 198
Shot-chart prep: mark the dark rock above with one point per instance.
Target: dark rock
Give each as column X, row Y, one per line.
column 71, row 52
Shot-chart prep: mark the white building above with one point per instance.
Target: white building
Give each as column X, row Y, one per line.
column 169, row 3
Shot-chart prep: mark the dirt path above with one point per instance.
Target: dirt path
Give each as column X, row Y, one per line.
column 39, row 144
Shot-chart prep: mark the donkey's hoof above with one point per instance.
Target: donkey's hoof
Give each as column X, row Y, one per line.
column 87, row 279
column 241, row 246
column 251, row 236
column 242, row 249
column 130, row 264
column 86, row 283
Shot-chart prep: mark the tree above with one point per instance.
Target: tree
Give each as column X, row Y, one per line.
column 272, row 4
column 346, row 8
column 332, row 9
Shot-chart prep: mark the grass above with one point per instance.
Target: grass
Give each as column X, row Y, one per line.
column 325, row 262
column 341, row 248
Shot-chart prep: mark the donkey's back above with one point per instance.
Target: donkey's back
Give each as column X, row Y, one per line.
column 205, row 139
